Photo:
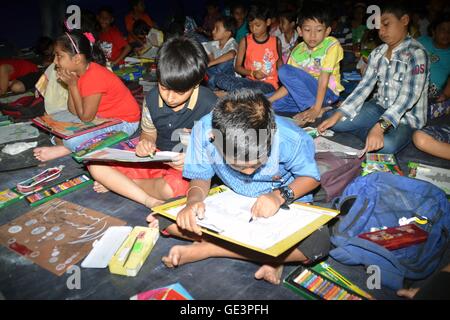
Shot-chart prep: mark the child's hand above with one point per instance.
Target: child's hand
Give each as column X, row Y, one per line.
column 68, row 77
column 145, row 148
column 186, row 219
column 178, row 162
column 266, row 205
column 258, row 74
column 331, row 121
column 309, row 115
column 375, row 139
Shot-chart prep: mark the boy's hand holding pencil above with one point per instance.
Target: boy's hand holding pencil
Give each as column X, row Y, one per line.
column 187, row 218
column 145, row 148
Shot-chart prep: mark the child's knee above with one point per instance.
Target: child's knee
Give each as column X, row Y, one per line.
column 317, row 245
column 419, row 139
column 17, row 87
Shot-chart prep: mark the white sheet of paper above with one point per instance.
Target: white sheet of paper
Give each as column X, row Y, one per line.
column 323, row 145
column 437, row 176
column 129, row 156
column 229, row 213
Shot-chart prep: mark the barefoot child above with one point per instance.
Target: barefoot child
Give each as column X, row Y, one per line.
column 275, row 169
column 170, row 108
column 223, row 50
column 311, row 79
column 400, row 69
column 93, row 91
column 258, row 57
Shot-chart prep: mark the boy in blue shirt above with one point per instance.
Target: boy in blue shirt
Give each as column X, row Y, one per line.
column 276, row 166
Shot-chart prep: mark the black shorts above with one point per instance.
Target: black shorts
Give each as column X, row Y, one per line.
column 315, row 247
column 30, row 80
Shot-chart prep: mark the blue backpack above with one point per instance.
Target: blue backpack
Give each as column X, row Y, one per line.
column 381, row 199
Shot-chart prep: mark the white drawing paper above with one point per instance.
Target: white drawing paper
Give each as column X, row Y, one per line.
column 325, row 145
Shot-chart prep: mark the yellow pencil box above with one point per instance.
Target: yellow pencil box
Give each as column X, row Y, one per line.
column 132, row 254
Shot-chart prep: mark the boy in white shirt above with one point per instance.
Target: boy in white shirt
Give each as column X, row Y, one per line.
column 222, row 51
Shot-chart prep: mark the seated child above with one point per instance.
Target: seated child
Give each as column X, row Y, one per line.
column 289, row 35
column 147, row 38
column 112, row 42
column 137, row 13
column 276, row 168
column 434, row 140
column 239, row 13
column 222, row 50
column 258, row 57
column 17, row 75
column 437, row 47
column 93, row 91
column 311, row 79
column 209, row 21
column 400, row 69
column 170, row 108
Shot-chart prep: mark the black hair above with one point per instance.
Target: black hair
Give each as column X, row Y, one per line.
column 107, row 9
column 238, row 5
column 76, row 42
column 290, row 16
column 246, row 123
column 314, row 11
column 258, row 12
column 229, row 24
column 182, row 64
column 134, row 3
column 44, row 49
column 140, row 27
column 397, row 8
column 443, row 18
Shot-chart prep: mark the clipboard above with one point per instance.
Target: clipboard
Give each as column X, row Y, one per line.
column 276, row 248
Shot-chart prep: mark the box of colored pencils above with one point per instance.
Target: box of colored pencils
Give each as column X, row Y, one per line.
column 99, row 142
column 319, row 283
column 380, row 162
column 8, row 197
column 59, row 189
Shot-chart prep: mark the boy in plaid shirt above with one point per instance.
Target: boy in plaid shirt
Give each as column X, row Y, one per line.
column 400, row 68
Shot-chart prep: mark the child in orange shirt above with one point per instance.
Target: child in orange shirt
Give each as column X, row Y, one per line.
column 112, row 42
column 93, row 91
column 137, row 13
column 258, row 58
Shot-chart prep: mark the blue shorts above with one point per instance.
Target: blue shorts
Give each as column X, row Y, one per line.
column 439, row 132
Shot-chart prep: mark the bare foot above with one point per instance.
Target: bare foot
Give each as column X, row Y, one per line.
column 269, row 273
column 152, row 221
column 50, row 153
column 179, row 255
column 408, row 293
column 99, row 188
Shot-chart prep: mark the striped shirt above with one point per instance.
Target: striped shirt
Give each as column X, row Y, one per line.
column 402, row 85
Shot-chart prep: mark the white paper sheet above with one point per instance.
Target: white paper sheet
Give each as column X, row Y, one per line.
column 128, row 156
column 229, row 213
column 324, row 145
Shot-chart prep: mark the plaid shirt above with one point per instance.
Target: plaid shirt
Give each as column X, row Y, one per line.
column 402, row 85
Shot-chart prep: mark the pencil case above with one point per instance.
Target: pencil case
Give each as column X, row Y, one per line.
column 130, row 257
column 36, row 183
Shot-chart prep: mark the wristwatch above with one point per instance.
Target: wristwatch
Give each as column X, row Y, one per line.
column 287, row 194
column 384, row 124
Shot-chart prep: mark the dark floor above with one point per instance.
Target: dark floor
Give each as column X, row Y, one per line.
column 209, row 279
